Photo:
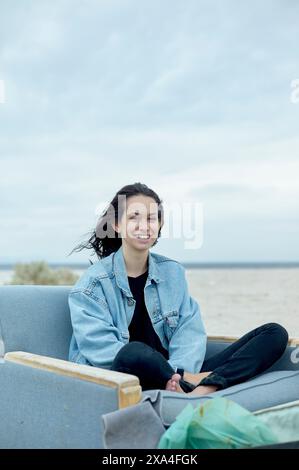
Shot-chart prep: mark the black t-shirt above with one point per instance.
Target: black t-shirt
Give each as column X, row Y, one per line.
column 141, row 328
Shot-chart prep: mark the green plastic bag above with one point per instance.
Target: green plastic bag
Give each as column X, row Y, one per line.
column 216, row 424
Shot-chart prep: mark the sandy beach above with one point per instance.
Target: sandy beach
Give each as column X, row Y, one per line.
column 234, row 301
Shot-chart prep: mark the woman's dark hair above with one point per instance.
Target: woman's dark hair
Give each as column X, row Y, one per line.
column 104, row 240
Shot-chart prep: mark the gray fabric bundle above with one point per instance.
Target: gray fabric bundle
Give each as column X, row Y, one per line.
column 135, row 427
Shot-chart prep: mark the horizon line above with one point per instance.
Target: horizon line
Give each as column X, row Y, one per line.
column 187, row 264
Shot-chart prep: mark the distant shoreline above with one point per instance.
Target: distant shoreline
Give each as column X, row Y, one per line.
column 187, row 265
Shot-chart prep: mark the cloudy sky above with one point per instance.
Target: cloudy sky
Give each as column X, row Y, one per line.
column 192, row 98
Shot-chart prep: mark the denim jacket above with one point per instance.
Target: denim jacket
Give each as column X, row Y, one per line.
column 102, row 306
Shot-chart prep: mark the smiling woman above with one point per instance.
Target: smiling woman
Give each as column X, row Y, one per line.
column 131, row 311
column 137, row 289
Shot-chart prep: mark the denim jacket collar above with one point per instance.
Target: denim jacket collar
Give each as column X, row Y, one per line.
column 120, row 272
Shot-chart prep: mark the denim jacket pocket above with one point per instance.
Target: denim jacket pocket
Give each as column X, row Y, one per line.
column 171, row 318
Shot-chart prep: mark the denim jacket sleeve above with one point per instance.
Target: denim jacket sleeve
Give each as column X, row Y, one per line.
column 96, row 336
column 187, row 346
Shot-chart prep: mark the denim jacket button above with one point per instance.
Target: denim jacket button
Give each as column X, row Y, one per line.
column 130, row 301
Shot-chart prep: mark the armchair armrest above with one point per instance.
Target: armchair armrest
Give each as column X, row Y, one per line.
column 225, row 339
column 128, row 386
column 293, row 342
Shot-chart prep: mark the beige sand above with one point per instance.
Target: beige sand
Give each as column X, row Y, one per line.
column 234, row 301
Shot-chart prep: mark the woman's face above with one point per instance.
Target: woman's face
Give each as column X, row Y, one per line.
column 139, row 225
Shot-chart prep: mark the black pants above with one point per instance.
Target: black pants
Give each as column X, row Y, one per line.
column 247, row 357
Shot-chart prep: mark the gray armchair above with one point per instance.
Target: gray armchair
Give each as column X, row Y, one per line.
column 48, row 402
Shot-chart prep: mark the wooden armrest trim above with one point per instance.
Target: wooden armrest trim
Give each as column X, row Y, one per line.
column 231, row 339
column 225, row 339
column 293, row 342
column 129, row 389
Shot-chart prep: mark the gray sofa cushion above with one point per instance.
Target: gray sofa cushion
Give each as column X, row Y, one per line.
column 265, row 390
column 36, row 319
